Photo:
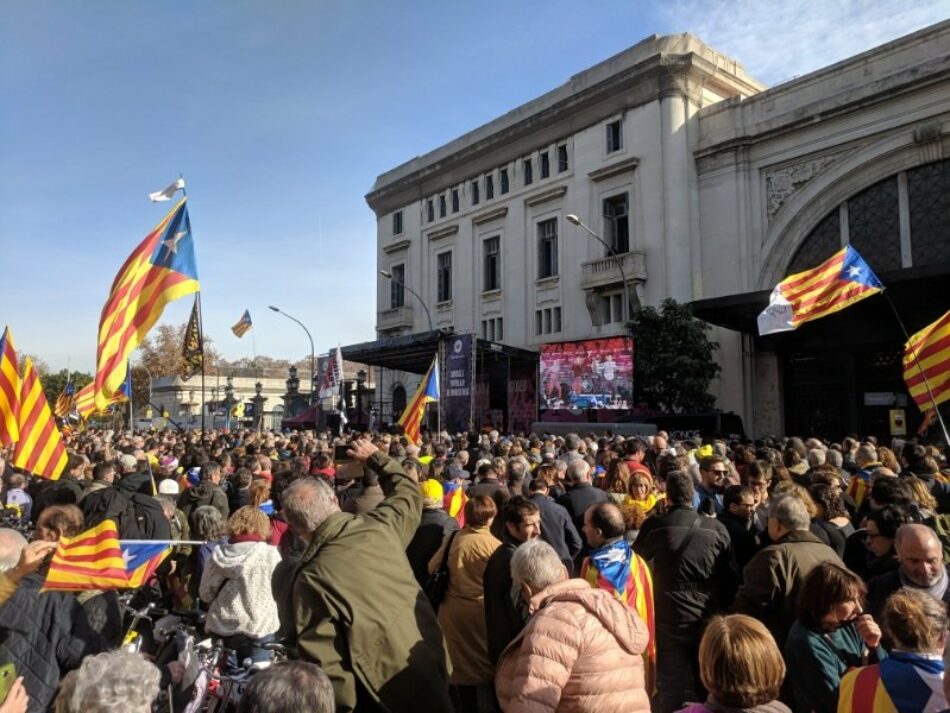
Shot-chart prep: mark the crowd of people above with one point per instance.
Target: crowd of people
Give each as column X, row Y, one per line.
column 486, row 572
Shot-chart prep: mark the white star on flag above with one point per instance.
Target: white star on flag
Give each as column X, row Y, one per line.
column 172, row 243
column 854, row 272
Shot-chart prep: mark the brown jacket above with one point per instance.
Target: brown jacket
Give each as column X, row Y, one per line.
column 581, row 652
column 773, row 578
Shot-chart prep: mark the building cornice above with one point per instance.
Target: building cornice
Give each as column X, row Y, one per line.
column 614, row 169
column 490, row 215
column 446, row 232
column 679, row 65
column 544, row 196
column 397, row 246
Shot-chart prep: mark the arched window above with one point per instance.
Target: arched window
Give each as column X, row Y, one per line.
column 399, row 400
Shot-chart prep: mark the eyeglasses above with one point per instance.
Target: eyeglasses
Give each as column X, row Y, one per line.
column 719, row 472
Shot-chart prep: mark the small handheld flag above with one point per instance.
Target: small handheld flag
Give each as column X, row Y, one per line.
column 838, row 282
column 9, row 390
column 40, row 449
column 927, row 364
column 243, row 325
column 428, row 392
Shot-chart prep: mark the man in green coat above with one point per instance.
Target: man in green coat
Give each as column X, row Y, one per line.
column 358, row 611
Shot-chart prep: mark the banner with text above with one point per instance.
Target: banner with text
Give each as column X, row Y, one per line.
column 457, row 394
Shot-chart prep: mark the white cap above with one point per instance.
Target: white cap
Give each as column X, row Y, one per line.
column 168, row 487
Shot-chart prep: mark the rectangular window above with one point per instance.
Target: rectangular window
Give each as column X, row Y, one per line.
column 397, row 292
column 547, row 248
column 475, row 198
column 545, row 165
column 444, row 276
column 500, row 329
column 455, row 200
column 491, row 249
column 614, row 136
column 491, row 330
column 442, row 206
column 484, row 329
column 528, row 172
column 489, row 187
column 430, row 210
column 556, row 326
column 397, row 223
column 562, row 158
column 503, row 179
column 616, row 223
column 547, row 320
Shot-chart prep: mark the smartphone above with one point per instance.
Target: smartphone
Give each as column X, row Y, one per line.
column 341, row 455
column 7, row 677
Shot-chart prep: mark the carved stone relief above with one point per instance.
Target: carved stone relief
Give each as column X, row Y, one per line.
column 782, row 183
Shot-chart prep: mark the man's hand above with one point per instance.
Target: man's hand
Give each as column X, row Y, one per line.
column 17, row 700
column 361, row 450
column 868, row 630
column 31, row 558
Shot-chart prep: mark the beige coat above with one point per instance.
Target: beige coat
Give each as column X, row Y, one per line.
column 462, row 613
column 581, row 652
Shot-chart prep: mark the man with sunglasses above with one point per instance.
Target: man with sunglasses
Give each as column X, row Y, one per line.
column 713, row 474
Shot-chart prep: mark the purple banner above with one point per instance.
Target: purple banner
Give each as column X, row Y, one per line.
column 457, row 394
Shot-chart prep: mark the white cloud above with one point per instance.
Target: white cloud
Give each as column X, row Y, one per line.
column 776, row 41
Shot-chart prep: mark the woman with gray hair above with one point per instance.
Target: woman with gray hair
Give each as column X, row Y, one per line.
column 113, row 681
column 582, row 649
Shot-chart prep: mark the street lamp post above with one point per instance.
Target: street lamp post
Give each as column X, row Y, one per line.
column 259, row 405
column 228, row 398
column 214, row 405
column 571, row 218
column 360, row 380
column 313, row 361
column 389, row 276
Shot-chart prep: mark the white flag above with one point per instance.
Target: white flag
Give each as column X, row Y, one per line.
column 777, row 317
column 168, row 192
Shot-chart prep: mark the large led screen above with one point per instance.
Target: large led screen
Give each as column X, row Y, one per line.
column 593, row 374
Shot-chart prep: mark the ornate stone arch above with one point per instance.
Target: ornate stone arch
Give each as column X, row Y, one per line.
column 812, row 203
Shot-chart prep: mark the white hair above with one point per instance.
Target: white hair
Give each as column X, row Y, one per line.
column 112, row 681
column 307, row 503
column 11, row 545
column 578, row 471
column 790, row 512
column 816, row 457
column 536, row 564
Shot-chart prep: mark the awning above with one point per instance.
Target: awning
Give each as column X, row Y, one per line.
column 306, row 418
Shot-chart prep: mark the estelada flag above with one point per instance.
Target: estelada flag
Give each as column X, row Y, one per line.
column 40, row 449
column 428, row 392
column 243, row 325
column 927, row 364
column 90, row 560
column 838, row 282
column 161, row 269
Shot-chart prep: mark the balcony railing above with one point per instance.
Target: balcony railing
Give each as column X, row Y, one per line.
column 396, row 318
column 606, row 271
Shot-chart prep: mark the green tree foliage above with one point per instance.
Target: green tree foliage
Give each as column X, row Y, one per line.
column 673, row 360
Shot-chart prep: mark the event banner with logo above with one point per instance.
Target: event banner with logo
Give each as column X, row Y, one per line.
column 457, row 381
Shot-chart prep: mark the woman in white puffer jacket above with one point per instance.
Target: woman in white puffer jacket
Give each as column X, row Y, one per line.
column 236, row 584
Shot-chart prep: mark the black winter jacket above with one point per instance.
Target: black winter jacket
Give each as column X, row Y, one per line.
column 558, row 530
column 503, row 622
column 435, row 526
column 45, row 636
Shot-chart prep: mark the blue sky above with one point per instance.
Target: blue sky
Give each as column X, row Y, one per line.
column 280, row 114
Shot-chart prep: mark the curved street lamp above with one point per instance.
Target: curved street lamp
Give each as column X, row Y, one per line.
column 313, row 365
column 571, row 218
column 389, row 276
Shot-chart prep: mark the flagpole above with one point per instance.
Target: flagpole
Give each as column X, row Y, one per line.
column 128, row 366
column 920, row 368
column 201, row 345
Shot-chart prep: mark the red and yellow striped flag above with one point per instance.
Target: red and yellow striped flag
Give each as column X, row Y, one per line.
column 428, row 392
column 161, row 269
column 927, row 364
column 9, row 390
column 90, row 560
column 85, row 400
column 40, row 448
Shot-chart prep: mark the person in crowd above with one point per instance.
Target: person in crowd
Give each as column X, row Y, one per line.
column 239, row 494
column 920, row 566
column 865, row 460
column 832, row 634
column 44, row 635
column 911, row 678
column 380, row 645
column 832, row 515
column 617, row 481
column 109, row 682
column 462, row 613
column 454, row 485
column 208, row 491
column 641, row 493
column 741, row 667
column 634, row 452
column 694, row 576
column 489, row 485
column 880, row 532
column 713, row 473
column 434, row 528
column 758, row 477
column 289, row 687
column 774, row 576
column 504, row 615
column 580, row 495
column 370, row 496
column 613, row 566
column 211, row 529
column 738, row 516
column 596, row 663
column 557, row 529
column 235, row 584
column 15, row 494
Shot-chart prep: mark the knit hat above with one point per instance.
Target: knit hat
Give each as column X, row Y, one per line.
column 431, row 489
